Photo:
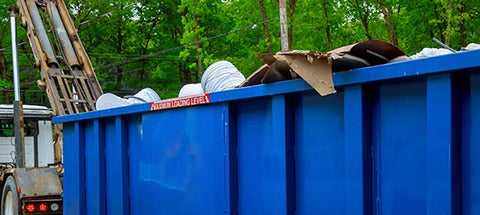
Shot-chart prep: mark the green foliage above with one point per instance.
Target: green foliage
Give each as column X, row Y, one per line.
column 5, row 84
column 153, row 43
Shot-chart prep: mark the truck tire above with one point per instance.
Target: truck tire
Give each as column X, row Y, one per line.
column 10, row 197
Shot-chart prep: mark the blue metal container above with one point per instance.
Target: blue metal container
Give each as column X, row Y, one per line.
column 401, row 138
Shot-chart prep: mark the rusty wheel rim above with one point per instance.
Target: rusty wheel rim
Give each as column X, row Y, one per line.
column 8, row 204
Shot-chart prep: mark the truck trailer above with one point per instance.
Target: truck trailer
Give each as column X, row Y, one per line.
column 399, row 138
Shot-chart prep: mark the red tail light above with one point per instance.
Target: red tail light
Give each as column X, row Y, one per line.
column 31, row 208
column 43, row 207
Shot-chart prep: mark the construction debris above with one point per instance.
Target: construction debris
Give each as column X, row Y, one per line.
column 191, row 90
column 109, row 100
column 221, row 75
column 314, row 67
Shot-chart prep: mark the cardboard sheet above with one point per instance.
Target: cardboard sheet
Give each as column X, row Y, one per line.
column 314, row 67
column 256, row 77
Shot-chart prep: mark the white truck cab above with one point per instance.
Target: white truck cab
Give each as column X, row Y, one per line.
column 38, row 131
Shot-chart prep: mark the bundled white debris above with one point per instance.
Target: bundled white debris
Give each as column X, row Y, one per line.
column 191, row 90
column 472, row 46
column 109, row 100
column 220, row 76
column 430, row 52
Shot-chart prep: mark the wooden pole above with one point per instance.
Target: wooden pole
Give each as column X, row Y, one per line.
column 283, row 25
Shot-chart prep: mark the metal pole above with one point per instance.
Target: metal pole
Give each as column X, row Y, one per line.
column 444, row 45
column 42, row 34
column 16, row 79
column 62, row 35
column 17, row 105
column 283, row 25
column 35, row 142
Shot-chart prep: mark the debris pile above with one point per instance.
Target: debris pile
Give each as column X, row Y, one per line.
column 316, row 68
column 109, row 100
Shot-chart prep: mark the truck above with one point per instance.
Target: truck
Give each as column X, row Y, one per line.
column 37, row 187
column 31, row 168
column 395, row 139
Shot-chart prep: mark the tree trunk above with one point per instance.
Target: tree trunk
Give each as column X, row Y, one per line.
column 363, row 16
column 119, row 71
column 265, row 26
column 184, row 74
column 27, row 52
column 449, row 23
column 387, row 17
column 463, row 28
column 148, row 38
column 395, row 25
column 3, row 66
column 3, row 72
column 367, row 30
column 282, row 6
column 291, row 11
column 327, row 23
column 185, row 77
column 197, row 46
column 440, row 27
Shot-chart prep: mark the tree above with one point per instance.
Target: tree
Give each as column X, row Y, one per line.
column 167, row 43
column 265, row 27
column 327, row 22
column 391, row 13
column 4, row 83
column 361, row 10
column 290, row 14
column 193, row 18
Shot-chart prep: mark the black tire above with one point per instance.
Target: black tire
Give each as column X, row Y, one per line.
column 10, row 186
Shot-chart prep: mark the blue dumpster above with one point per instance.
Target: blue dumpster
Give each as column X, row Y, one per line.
column 401, row 138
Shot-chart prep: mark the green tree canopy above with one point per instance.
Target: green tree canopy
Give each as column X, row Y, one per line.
column 164, row 44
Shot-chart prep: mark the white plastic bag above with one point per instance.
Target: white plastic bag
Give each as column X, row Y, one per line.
column 220, row 76
column 109, row 100
column 191, row 90
column 430, row 52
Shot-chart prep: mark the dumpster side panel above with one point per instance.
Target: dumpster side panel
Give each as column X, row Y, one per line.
column 95, row 163
column 74, row 161
column 256, row 162
column 399, row 149
column 178, row 166
column 319, row 154
column 135, row 139
column 116, row 166
column 443, row 144
column 358, row 156
column 471, row 147
column 264, row 156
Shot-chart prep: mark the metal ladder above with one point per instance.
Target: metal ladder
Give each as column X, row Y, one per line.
column 67, row 74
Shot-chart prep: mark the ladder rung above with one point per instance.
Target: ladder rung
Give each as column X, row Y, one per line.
column 70, row 76
column 74, row 100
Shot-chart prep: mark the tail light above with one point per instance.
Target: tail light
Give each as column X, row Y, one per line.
column 43, row 207
column 31, row 208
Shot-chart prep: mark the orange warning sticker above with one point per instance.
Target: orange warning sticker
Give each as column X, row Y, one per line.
column 180, row 102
